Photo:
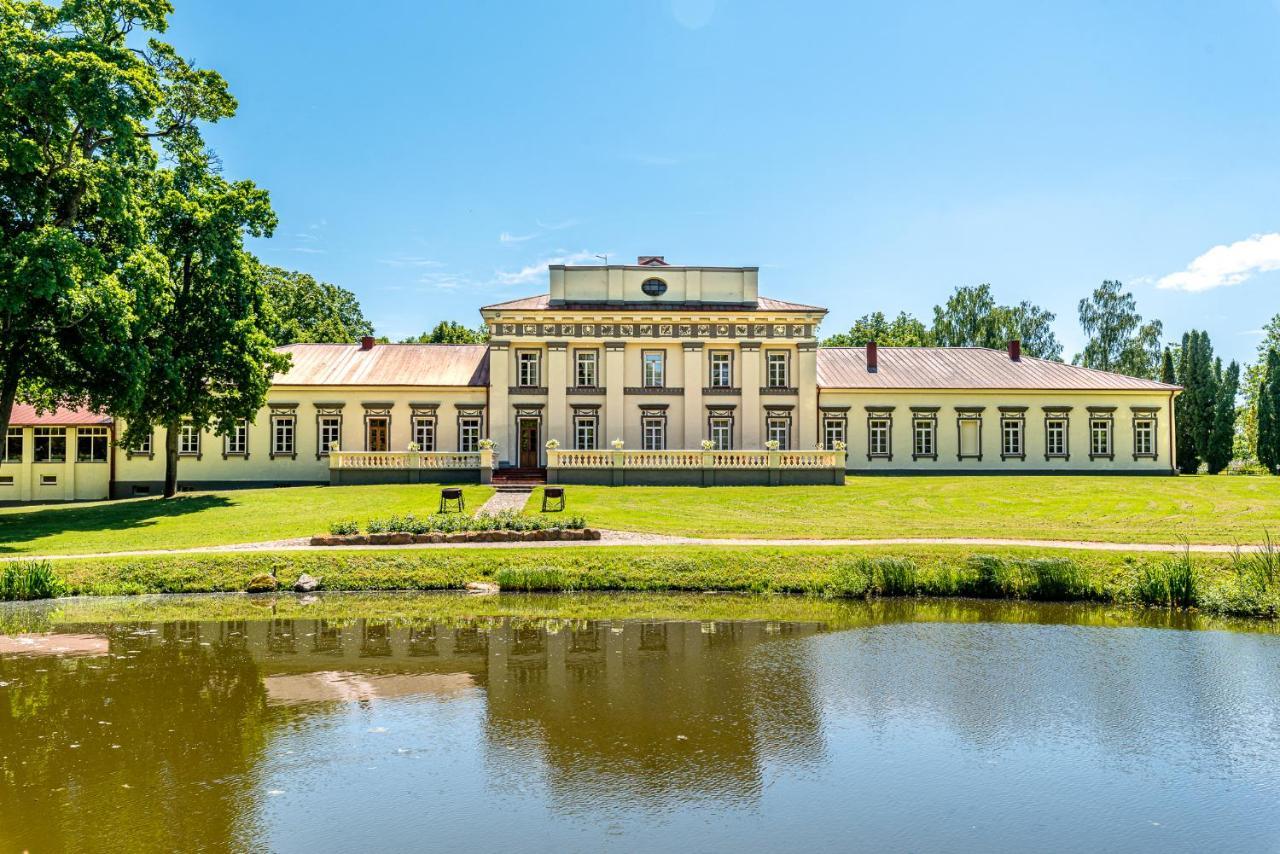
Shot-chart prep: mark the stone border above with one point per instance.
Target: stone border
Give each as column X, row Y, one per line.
column 402, row 539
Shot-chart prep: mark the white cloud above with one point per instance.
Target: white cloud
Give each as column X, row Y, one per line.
column 410, row 261
column 538, row 269
column 508, row 237
column 308, row 250
column 1226, row 265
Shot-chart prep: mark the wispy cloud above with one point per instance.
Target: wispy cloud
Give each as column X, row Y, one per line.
column 508, row 237
column 543, row 227
column 1227, row 264
column 307, row 250
column 538, row 270
column 410, row 261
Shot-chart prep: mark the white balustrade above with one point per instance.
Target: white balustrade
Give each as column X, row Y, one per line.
column 405, row 460
column 630, row 459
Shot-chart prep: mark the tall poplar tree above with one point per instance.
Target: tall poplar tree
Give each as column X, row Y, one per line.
column 81, row 103
column 1222, row 437
column 1268, row 412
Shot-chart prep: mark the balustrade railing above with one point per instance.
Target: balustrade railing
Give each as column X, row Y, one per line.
column 408, row 460
column 629, row 459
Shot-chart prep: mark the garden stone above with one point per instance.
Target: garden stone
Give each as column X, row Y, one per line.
column 399, row 539
column 379, row 539
column 482, row 588
column 591, row 534
column 539, row 536
column 262, row 583
column 306, row 584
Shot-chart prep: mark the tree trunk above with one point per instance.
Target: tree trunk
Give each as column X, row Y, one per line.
column 171, row 459
column 8, row 393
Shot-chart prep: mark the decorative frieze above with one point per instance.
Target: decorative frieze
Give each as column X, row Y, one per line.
column 659, row 329
column 652, row 390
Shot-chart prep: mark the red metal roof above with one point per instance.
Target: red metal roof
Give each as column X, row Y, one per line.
column 386, row 364
column 542, row 302
column 26, row 416
column 964, row 368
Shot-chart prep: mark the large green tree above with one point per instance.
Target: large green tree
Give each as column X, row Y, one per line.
column 450, row 332
column 1198, row 403
column 306, row 310
column 1223, row 434
column 1267, row 412
column 903, row 331
column 209, row 357
column 81, row 105
column 1119, row 340
column 972, row 318
column 1251, row 384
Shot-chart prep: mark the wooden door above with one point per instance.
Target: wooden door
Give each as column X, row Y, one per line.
column 378, row 435
column 528, row 443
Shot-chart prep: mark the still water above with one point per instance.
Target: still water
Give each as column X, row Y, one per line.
column 583, row 723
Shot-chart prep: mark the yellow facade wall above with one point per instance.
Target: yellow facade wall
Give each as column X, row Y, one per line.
column 67, row 480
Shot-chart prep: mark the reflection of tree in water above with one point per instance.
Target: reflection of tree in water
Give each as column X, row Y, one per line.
column 187, row 710
column 635, row 712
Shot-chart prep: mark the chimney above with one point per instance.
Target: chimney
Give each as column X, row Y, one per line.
column 873, row 362
column 366, row 343
column 1015, row 350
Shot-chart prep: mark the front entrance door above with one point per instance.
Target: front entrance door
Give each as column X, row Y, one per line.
column 378, row 435
column 528, row 443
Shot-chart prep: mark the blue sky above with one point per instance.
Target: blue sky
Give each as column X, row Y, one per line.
column 435, row 156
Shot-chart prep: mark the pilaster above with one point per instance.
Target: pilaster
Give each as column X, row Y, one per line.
column 615, row 401
column 556, row 381
column 752, row 378
column 806, row 429
column 499, row 405
column 693, row 382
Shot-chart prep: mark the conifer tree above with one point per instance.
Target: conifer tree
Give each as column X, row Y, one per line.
column 1167, row 375
column 1268, row 413
column 1222, row 439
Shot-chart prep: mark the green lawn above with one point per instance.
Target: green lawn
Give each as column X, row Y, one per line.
column 1118, row 509
column 209, row 518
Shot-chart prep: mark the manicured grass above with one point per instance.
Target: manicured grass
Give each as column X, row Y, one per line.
column 1117, row 509
column 210, row 518
column 1219, row 587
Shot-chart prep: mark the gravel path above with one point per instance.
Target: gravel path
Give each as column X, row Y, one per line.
column 626, row 538
column 500, row 501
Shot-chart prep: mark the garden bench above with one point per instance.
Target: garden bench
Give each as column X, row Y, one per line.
column 552, row 493
column 452, row 493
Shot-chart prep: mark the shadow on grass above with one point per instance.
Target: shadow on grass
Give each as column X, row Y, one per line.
column 33, row 525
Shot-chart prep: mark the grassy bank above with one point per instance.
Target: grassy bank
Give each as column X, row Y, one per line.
column 1127, row 509
column 1213, row 584
column 211, row 518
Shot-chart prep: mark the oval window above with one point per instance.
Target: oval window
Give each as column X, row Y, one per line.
column 654, row 287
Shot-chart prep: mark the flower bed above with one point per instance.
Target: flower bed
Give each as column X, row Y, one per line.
column 401, row 538
column 507, row 526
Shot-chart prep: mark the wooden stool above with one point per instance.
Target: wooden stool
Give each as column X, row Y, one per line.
column 452, row 493
column 552, row 493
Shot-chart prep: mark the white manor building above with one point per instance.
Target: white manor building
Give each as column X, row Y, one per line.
column 628, row 374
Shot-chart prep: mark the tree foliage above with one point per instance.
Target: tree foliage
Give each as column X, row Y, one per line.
column 903, row 331
column 1119, row 340
column 306, row 310
column 1268, row 412
column 1222, row 436
column 1251, row 385
column 80, row 109
column 972, row 318
column 450, row 332
column 1197, row 406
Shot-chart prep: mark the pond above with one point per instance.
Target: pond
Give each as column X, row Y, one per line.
column 577, row 723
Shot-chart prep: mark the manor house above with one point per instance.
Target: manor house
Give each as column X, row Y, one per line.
column 628, row 374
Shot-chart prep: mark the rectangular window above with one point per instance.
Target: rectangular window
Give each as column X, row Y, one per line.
column 833, row 430
column 527, row 373
column 776, row 370
column 282, row 435
column 654, row 434
column 50, row 444
column 13, row 445
column 6, row 480
column 328, row 433
column 878, row 437
column 189, row 440
column 1144, row 437
column 779, row 430
column 236, row 443
column 143, row 447
column 969, row 427
column 424, row 433
column 91, row 444
column 655, row 369
column 924, row 438
column 468, row 435
column 584, row 433
column 377, row 434
column 1099, row 437
column 1011, row 438
column 588, row 365
column 722, row 434
column 721, row 369
column 48, row 480
column 1055, row 437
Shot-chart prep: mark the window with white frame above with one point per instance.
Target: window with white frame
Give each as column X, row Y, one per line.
column 91, row 444
column 468, row 434
column 282, row 435
column 587, row 368
column 721, row 433
column 1055, row 437
column 13, row 445
column 328, row 433
column 776, row 374
column 1144, row 437
column 584, row 432
column 833, row 430
column 1011, row 438
column 653, row 436
column 50, row 444
column 142, row 447
column 1099, row 438
column 236, row 443
column 924, row 437
column 879, row 428
column 721, row 362
column 655, row 369
column 778, row 429
column 424, row 432
column 189, row 440
column 527, row 373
